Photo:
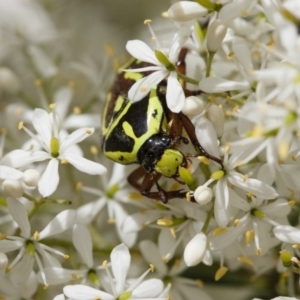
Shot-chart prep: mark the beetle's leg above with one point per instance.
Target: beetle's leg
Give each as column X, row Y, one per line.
column 190, row 129
column 148, row 182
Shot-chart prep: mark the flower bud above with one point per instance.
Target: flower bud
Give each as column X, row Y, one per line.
column 215, row 35
column 31, row 178
column 12, row 188
column 215, row 115
column 185, row 11
column 3, row 260
column 9, row 82
column 203, row 195
column 193, row 106
column 195, row 250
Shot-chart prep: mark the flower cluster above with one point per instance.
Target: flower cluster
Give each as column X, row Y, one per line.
column 227, row 74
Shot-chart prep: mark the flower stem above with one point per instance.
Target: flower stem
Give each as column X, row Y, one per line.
column 187, row 79
column 209, row 62
column 208, row 217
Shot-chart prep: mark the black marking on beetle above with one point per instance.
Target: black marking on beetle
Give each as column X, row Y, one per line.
column 121, row 158
column 154, row 114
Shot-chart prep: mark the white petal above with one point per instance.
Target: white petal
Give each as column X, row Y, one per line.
column 166, row 243
column 120, row 214
column 184, row 11
column 221, row 203
column 151, row 254
column 87, row 212
column 145, row 69
column 59, row 297
column 8, row 173
column 207, row 136
column 83, row 243
column 195, row 249
column 220, row 85
column 243, row 54
column 21, row 271
column 120, row 263
column 84, row 165
column 20, row 158
column 59, row 224
column 50, row 179
column 143, row 86
column 233, row 10
column 148, row 289
column 175, row 95
column 57, row 275
column 75, row 137
column 82, row 120
column 287, row 234
column 8, row 246
column 258, row 188
column 41, row 122
column 63, row 98
column 142, row 51
column 19, row 214
column 82, row 292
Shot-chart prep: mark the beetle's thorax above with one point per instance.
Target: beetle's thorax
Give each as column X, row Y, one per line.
column 156, row 156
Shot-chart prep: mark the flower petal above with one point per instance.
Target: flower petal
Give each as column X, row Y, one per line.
column 8, row 246
column 175, row 95
column 257, row 187
column 50, row 179
column 219, row 85
column 82, row 292
column 8, row 173
column 42, row 123
column 83, row 243
column 75, row 137
column 19, row 214
column 21, row 158
column 287, row 234
column 207, row 136
column 142, row 51
column 150, row 288
column 120, row 262
column 151, row 254
column 84, row 165
column 143, row 86
column 59, row 224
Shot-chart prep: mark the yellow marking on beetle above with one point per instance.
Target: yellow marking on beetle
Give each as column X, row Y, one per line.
column 119, row 103
column 128, row 130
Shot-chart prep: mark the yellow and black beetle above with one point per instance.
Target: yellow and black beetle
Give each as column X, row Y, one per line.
column 140, row 133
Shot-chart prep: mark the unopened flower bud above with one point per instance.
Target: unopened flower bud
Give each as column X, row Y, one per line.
column 9, row 82
column 203, row 195
column 12, row 188
column 193, row 106
column 31, row 178
column 195, row 249
column 3, row 260
column 215, row 115
column 185, row 11
column 215, row 35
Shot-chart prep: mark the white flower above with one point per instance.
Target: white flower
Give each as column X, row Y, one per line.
column 195, row 250
column 55, row 149
column 113, row 194
column 30, row 248
column 171, row 270
column 163, row 67
column 117, row 287
column 89, row 273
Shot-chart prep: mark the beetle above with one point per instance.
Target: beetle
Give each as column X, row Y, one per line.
column 141, row 133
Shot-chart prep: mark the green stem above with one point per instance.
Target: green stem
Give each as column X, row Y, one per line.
column 209, row 216
column 187, row 79
column 209, row 62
